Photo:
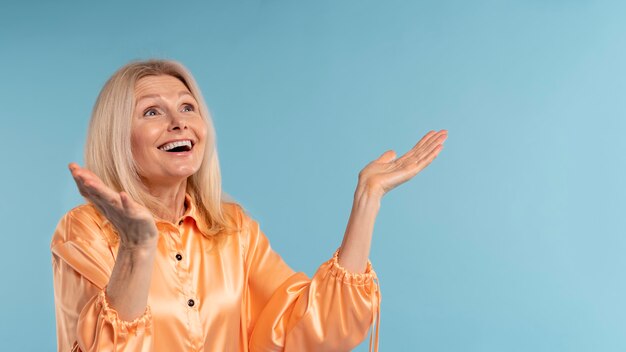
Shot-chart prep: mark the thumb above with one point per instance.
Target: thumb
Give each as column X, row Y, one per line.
column 387, row 156
column 126, row 201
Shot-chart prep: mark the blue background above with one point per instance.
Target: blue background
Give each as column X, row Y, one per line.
column 512, row 240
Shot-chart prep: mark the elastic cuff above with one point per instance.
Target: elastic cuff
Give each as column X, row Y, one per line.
column 123, row 327
column 341, row 273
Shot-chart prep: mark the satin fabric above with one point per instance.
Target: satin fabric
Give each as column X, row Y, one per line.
column 229, row 292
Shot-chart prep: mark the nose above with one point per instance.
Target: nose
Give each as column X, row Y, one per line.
column 177, row 121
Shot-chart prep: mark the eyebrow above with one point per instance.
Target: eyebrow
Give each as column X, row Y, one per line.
column 180, row 94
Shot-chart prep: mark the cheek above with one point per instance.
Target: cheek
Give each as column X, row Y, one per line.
column 201, row 129
column 135, row 143
column 205, row 143
column 140, row 148
column 201, row 132
column 142, row 138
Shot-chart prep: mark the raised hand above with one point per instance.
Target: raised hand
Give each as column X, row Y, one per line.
column 134, row 223
column 385, row 173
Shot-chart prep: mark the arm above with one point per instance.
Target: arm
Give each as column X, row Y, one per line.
column 128, row 286
column 287, row 311
column 335, row 309
column 82, row 261
column 376, row 179
column 127, row 289
column 99, row 299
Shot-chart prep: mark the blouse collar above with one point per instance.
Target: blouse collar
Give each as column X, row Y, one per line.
column 192, row 212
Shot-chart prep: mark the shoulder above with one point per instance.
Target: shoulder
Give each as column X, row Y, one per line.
column 242, row 223
column 81, row 241
column 236, row 215
column 81, row 224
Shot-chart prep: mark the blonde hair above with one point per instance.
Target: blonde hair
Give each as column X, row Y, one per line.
column 108, row 150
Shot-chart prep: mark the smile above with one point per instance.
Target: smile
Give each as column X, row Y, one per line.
column 184, row 145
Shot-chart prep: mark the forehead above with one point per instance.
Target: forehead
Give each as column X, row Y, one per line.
column 159, row 85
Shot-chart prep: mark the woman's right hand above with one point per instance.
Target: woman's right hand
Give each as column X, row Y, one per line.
column 134, row 222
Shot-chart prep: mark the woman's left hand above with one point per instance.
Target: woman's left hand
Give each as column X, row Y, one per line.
column 385, row 173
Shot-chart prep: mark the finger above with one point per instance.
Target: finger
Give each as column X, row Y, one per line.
column 90, row 186
column 410, row 170
column 428, row 137
column 79, row 180
column 77, row 169
column 73, row 166
column 125, row 202
column 79, row 174
column 422, row 163
column 128, row 204
column 103, row 193
column 386, row 157
column 81, row 190
column 432, row 144
column 424, row 140
column 436, row 140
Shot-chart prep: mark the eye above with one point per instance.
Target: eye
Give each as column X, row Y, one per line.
column 150, row 112
column 188, row 107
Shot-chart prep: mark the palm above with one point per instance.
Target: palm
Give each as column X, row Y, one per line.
column 386, row 172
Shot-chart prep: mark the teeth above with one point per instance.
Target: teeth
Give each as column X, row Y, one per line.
column 173, row 145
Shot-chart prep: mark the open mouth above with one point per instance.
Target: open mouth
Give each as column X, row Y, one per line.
column 177, row 146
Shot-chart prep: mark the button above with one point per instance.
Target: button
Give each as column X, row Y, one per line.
column 180, row 222
column 179, row 257
column 191, row 303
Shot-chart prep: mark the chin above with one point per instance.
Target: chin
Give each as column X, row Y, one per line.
column 189, row 172
column 183, row 174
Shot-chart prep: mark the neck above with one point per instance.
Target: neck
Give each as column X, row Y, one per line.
column 173, row 199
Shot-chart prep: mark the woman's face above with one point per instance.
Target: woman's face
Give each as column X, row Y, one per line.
column 167, row 133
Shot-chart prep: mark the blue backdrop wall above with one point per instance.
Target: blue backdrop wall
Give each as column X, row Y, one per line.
column 512, row 240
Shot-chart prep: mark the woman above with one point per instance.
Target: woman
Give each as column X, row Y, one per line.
column 157, row 260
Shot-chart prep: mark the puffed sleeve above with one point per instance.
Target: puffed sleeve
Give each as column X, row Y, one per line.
column 82, row 261
column 333, row 311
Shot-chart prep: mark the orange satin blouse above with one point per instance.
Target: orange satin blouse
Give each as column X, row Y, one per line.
column 233, row 293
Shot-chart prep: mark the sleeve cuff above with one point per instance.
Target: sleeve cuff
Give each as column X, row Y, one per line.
column 123, row 327
column 341, row 273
